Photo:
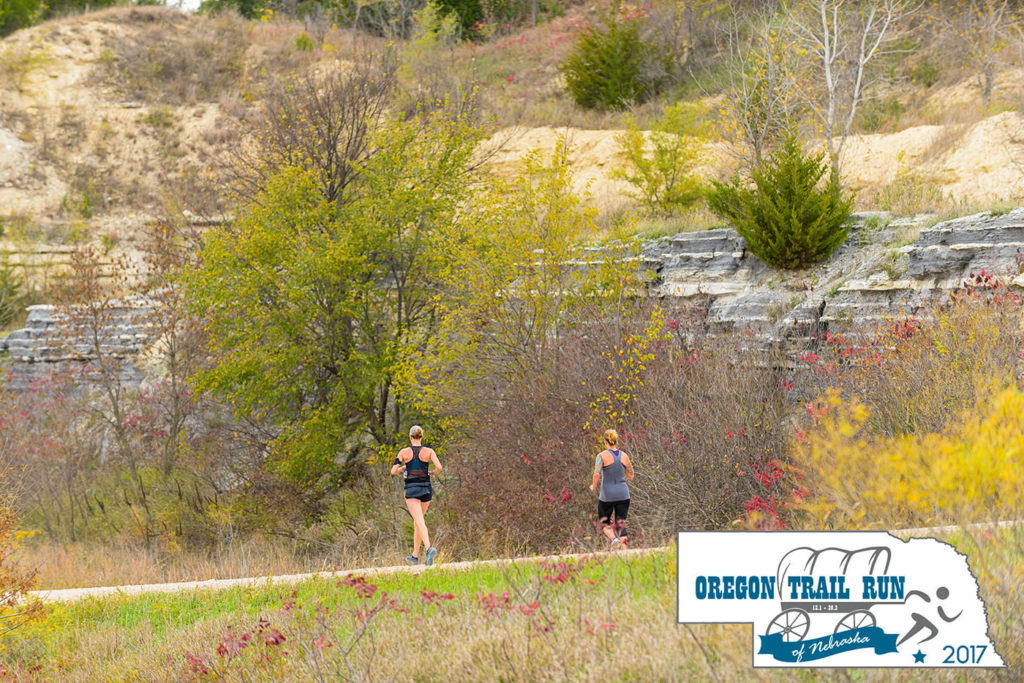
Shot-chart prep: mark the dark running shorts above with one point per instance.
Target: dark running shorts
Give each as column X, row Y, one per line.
column 420, row 490
column 605, row 510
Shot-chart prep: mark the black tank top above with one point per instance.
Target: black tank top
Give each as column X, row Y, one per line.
column 416, row 469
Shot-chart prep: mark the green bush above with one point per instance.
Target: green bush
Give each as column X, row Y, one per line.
column 925, row 73
column 611, row 66
column 15, row 14
column 789, row 218
column 468, row 12
column 304, row 43
column 661, row 165
column 12, row 296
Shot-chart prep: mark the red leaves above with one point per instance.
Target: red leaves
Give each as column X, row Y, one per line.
column 770, row 509
column 490, row 602
column 360, row 585
column 560, row 572
column 904, row 329
column 230, row 646
column 601, row 625
column 321, row 642
column 431, row 597
column 770, row 474
column 528, row 610
column 273, row 638
column 566, row 496
column 816, row 412
column 196, row 665
column 563, row 498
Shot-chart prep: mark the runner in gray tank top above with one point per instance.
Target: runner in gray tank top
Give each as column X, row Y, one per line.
column 611, row 468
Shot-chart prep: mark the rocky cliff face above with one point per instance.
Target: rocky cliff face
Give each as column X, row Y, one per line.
column 886, row 270
column 52, row 344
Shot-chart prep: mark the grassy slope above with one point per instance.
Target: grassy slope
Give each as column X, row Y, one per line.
column 614, row 618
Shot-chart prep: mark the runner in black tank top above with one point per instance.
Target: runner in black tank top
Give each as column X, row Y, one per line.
column 415, row 461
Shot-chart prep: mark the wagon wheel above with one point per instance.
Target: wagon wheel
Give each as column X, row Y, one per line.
column 791, row 624
column 860, row 618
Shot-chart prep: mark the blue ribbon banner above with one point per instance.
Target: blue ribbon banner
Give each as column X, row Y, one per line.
column 826, row 646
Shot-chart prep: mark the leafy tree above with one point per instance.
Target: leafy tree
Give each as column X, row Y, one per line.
column 467, row 12
column 250, row 9
column 611, row 66
column 788, row 218
column 429, row 66
column 15, row 14
column 508, row 289
column 662, row 164
column 310, row 303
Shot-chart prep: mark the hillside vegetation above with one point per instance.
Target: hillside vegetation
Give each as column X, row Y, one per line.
column 109, row 118
column 328, row 233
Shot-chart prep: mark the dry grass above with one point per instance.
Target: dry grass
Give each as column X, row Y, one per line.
column 611, row 617
column 75, row 565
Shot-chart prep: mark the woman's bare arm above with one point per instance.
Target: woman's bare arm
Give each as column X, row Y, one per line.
column 437, row 463
column 398, row 466
column 597, row 471
column 628, row 465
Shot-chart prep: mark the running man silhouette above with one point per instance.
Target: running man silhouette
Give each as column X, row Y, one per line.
column 415, row 461
column 921, row 622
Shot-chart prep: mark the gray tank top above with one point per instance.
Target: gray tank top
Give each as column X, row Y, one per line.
column 613, row 479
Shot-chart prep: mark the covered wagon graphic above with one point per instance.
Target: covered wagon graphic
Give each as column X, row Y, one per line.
column 843, row 585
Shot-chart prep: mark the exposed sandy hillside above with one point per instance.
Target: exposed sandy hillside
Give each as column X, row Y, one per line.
column 105, row 118
column 973, row 164
column 74, row 144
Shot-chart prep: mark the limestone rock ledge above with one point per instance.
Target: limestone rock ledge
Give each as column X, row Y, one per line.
column 885, row 270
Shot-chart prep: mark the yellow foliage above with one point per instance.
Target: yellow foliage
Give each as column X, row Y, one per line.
column 971, row 470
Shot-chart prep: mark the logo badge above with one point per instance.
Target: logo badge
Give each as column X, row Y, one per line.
column 837, row 599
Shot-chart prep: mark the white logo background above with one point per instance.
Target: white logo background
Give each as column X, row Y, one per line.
column 925, row 610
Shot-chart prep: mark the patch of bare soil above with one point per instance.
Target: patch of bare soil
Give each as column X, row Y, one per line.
column 102, row 122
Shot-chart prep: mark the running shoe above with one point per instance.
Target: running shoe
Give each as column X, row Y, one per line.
column 431, row 554
column 412, row 559
column 616, row 542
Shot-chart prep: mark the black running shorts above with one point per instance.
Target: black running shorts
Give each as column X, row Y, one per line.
column 420, row 490
column 605, row 509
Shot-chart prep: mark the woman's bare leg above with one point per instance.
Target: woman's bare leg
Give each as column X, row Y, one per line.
column 419, row 526
column 415, row 535
column 425, row 505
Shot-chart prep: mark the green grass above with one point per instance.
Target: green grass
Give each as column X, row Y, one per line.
column 147, row 634
column 609, row 617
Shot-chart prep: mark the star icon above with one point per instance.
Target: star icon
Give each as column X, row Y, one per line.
column 919, row 657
